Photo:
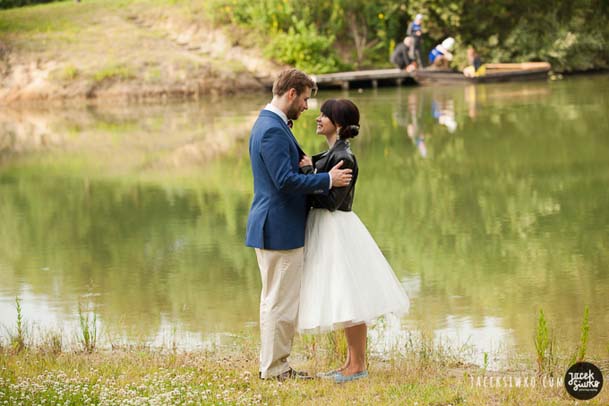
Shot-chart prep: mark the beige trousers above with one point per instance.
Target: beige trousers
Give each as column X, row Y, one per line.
column 281, row 272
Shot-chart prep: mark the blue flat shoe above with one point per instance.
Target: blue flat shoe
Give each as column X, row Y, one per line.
column 340, row 378
column 328, row 374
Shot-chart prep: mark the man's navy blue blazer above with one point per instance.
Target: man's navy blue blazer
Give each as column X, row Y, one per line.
column 278, row 214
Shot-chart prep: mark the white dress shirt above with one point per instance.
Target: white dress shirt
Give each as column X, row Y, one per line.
column 277, row 111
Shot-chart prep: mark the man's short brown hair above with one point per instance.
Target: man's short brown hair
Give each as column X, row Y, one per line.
column 293, row 78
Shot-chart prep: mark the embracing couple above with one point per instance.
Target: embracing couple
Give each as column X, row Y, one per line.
column 321, row 270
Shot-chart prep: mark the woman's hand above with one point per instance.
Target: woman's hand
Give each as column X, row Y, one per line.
column 305, row 161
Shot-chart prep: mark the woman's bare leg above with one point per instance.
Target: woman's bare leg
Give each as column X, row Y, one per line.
column 356, row 349
column 347, row 361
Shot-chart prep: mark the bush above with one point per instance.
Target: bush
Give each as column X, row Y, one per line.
column 20, row 3
column 570, row 35
column 304, row 48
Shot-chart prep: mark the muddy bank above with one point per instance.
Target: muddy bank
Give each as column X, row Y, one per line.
column 152, row 55
column 34, row 82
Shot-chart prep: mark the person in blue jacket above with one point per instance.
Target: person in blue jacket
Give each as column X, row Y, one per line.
column 415, row 31
column 277, row 217
column 440, row 56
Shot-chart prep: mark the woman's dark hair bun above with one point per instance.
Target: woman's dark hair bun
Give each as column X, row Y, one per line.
column 349, row 131
column 344, row 114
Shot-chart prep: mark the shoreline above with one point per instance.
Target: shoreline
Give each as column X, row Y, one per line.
column 134, row 93
column 126, row 95
column 421, row 372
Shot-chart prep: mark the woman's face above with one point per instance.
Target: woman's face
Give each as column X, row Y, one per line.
column 324, row 125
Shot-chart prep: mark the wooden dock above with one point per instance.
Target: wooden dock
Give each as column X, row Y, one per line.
column 364, row 78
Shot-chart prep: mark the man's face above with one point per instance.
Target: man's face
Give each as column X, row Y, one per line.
column 298, row 103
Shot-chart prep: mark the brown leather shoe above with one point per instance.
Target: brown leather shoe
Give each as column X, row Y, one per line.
column 289, row 374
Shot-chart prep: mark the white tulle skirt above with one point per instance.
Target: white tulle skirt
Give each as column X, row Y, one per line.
column 346, row 279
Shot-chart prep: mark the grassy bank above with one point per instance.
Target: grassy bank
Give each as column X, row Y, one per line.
column 130, row 49
column 419, row 373
column 138, row 376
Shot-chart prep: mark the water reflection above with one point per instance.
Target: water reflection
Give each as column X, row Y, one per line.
column 494, row 219
column 103, row 207
column 415, row 128
column 138, row 213
column 443, row 110
column 140, row 138
column 136, row 255
column 424, row 111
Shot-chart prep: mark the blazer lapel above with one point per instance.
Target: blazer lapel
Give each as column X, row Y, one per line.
column 287, row 130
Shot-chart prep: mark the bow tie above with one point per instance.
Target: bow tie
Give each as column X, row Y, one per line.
column 290, row 123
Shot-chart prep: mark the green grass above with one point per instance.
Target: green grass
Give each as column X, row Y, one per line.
column 118, row 72
column 140, row 375
column 420, row 373
column 31, row 19
column 70, row 72
column 88, row 330
column 583, row 340
column 544, row 344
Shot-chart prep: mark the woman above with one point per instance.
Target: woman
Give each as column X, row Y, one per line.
column 347, row 282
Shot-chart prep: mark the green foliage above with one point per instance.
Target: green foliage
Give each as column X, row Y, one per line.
column 305, row 48
column 20, row 3
column 568, row 40
column 373, row 28
column 50, row 18
column 569, row 35
column 304, row 33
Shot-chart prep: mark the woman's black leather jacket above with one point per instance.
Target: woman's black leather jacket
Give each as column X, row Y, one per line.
column 339, row 198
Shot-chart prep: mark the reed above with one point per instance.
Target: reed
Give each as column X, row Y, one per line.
column 18, row 339
column 544, row 345
column 582, row 348
column 88, row 330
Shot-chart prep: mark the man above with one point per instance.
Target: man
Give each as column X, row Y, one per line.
column 401, row 56
column 276, row 222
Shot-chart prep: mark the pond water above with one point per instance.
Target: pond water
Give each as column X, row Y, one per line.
column 490, row 202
